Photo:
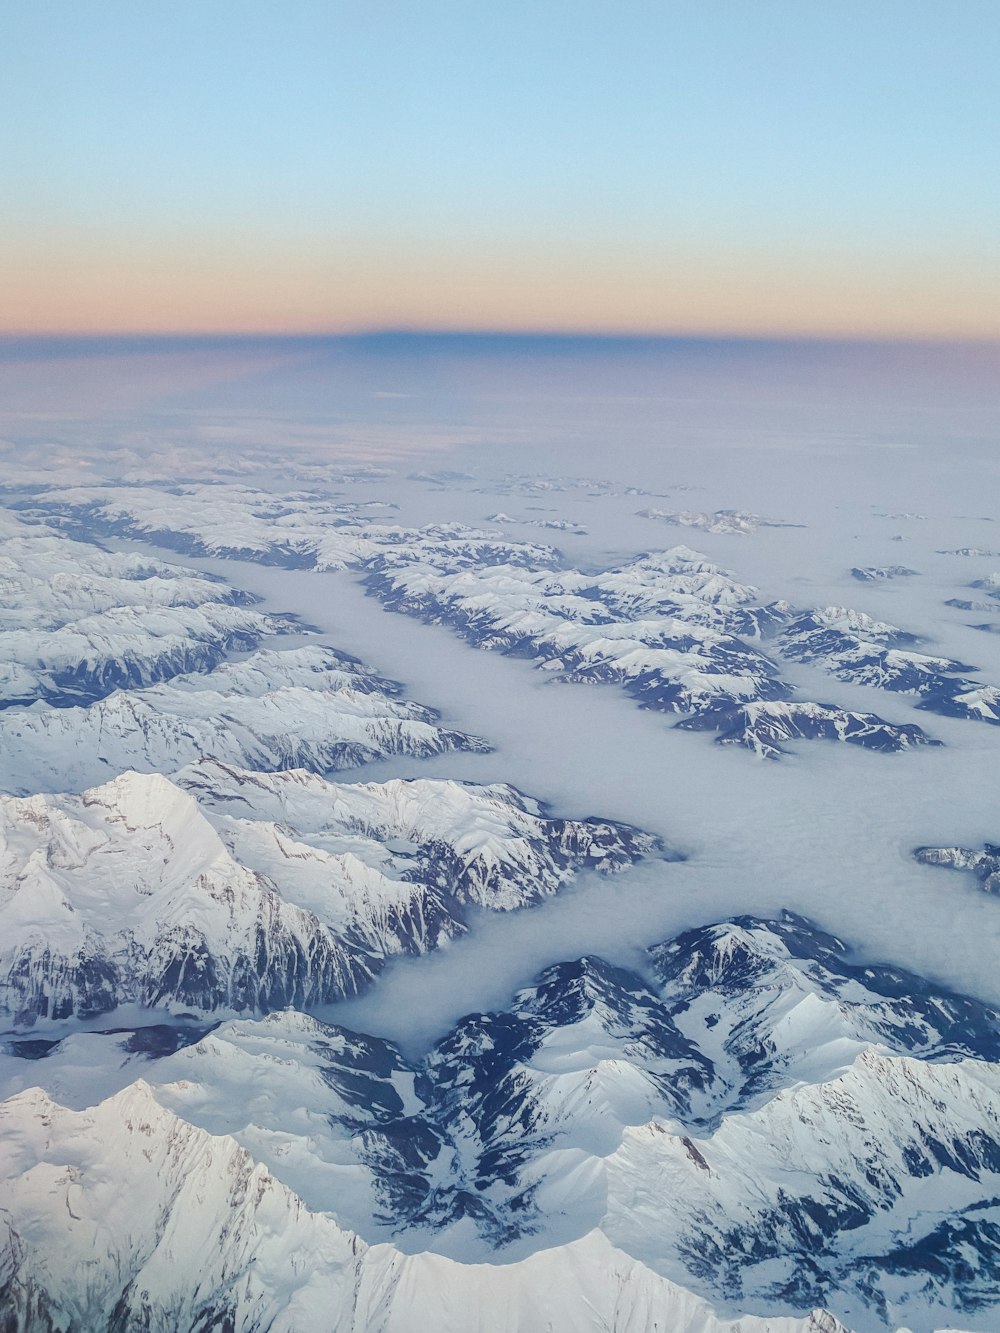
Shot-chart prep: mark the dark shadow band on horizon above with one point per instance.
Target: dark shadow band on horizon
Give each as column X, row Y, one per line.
column 15, row 346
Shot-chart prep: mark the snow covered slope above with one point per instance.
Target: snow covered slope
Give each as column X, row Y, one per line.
column 721, row 521
column 854, row 646
column 984, row 865
column 297, row 530
column 761, row 1119
column 764, row 728
column 135, row 893
column 125, row 1217
column 671, row 627
column 875, row 1192
column 308, row 707
column 77, row 622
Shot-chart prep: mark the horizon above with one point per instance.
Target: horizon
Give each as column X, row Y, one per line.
column 407, row 389
column 130, row 339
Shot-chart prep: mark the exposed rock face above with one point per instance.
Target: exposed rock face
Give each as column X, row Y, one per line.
column 984, row 865
column 679, row 633
column 139, row 1220
column 307, row 707
column 739, row 521
column 77, row 623
column 270, row 890
column 881, row 573
column 766, row 727
column 680, row 1114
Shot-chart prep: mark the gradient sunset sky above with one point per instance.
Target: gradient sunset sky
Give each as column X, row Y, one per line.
column 716, row 166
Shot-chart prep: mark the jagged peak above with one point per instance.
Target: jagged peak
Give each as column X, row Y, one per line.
column 137, row 1097
column 583, row 982
column 742, row 950
column 35, row 1101
column 848, row 620
column 711, row 955
column 281, row 1021
column 683, row 555
column 146, row 801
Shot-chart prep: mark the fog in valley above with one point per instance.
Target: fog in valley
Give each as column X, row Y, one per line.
column 871, row 455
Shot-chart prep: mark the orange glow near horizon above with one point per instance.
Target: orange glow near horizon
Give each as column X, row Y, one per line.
column 337, row 287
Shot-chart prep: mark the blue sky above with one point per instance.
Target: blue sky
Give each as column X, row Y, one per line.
column 707, row 166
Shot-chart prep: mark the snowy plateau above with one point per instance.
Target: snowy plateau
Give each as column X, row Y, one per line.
column 362, row 971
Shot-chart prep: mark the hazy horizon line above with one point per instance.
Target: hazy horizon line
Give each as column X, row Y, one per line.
column 137, row 340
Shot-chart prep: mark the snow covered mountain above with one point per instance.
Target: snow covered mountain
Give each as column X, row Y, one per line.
column 745, row 1128
column 299, row 530
column 310, row 707
column 760, row 1119
column 854, row 646
column 673, row 629
column 77, row 623
column 765, row 727
column 900, row 1219
column 881, row 573
column 678, row 632
column 984, row 865
column 979, row 702
column 126, row 1217
column 137, row 893
column 49, row 581
column 678, row 584
column 739, row 521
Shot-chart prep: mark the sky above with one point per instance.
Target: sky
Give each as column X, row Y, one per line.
column 677, row 166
